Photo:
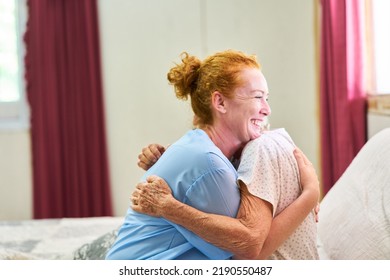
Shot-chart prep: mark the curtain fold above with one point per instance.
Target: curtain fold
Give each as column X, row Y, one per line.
column 64, row 90
column 342, row 96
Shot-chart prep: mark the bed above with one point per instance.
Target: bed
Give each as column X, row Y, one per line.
column 58, row 239
column 354, row 220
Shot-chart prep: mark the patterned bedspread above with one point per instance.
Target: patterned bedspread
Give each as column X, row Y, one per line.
column 67, row 238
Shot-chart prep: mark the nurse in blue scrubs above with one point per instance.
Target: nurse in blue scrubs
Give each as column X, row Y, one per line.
column 228, row 94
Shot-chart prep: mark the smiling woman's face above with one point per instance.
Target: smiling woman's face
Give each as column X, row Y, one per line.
column 249, row 107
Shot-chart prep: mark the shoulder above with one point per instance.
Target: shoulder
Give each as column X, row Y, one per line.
column 270, row 141
column 191, row 156
column 196, row 148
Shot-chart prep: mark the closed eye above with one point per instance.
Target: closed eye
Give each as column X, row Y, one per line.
column 261, row 97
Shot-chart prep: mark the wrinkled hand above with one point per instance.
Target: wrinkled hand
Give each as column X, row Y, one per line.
column 152, row 197
column 308, row 178
column 149, row 155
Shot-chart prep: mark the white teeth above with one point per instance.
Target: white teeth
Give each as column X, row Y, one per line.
column 256, row 122
column 261, row 124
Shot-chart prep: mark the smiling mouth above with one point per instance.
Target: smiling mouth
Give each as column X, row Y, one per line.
column 261, row 124
column 257, row 122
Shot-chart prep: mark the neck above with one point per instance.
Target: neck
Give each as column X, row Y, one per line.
column 222, row 139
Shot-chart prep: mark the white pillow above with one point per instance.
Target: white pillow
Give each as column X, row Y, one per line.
column 354, row 219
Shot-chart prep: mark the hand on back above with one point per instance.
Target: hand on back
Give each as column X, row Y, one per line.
column 149, row 155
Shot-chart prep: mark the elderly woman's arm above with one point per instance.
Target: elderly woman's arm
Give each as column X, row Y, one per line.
column 253, row 234
column 242, row 236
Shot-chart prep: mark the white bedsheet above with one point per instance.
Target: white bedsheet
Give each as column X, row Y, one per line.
column 354, row 220
column 51, row 238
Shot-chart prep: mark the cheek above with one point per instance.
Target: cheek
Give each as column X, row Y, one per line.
column 255, row 108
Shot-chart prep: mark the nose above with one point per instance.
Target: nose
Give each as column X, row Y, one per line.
column 265, row 108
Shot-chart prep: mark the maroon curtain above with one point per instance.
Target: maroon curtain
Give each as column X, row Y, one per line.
column 64, row 90
column 342, row 99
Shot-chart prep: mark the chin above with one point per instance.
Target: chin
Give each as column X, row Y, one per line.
column 257, row 135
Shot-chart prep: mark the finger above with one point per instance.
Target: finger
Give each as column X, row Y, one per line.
column 154, row 151
column 134, row 195
column 147, row 155
column 138, row 188
column 153, row 178
column 137, row 191
column 158, row 184
column 143, row 165
column 157, row 150
column 144, row 162
column 136, row 208
column 141, row 189
column 303, row 157
column 298, row 156
column 141, row 185
column 134, row 200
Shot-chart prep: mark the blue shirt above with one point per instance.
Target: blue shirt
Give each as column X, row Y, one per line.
column 200, row 176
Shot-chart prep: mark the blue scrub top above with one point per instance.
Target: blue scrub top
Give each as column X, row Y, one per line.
column 200, row 176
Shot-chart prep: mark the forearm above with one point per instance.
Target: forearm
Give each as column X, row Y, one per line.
column 286, row 222
column 240, row 236
column 243, row 236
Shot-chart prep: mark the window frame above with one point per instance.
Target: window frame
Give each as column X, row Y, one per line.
column 15, row 115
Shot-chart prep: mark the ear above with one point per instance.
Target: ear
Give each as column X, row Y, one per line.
column 218, row 101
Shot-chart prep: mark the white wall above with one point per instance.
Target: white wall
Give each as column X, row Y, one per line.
column 15, row 175
column 377, row 122
column 141, row 39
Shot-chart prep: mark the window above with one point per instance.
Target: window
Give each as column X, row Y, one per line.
column 381, row 25
column 378, row 46
column 13, row 105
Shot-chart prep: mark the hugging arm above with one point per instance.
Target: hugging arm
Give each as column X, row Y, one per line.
column 253, row 234
column 243, row 236
column 285, row 223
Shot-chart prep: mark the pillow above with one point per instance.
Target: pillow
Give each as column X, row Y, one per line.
column 97, row 249
column 354, row 220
